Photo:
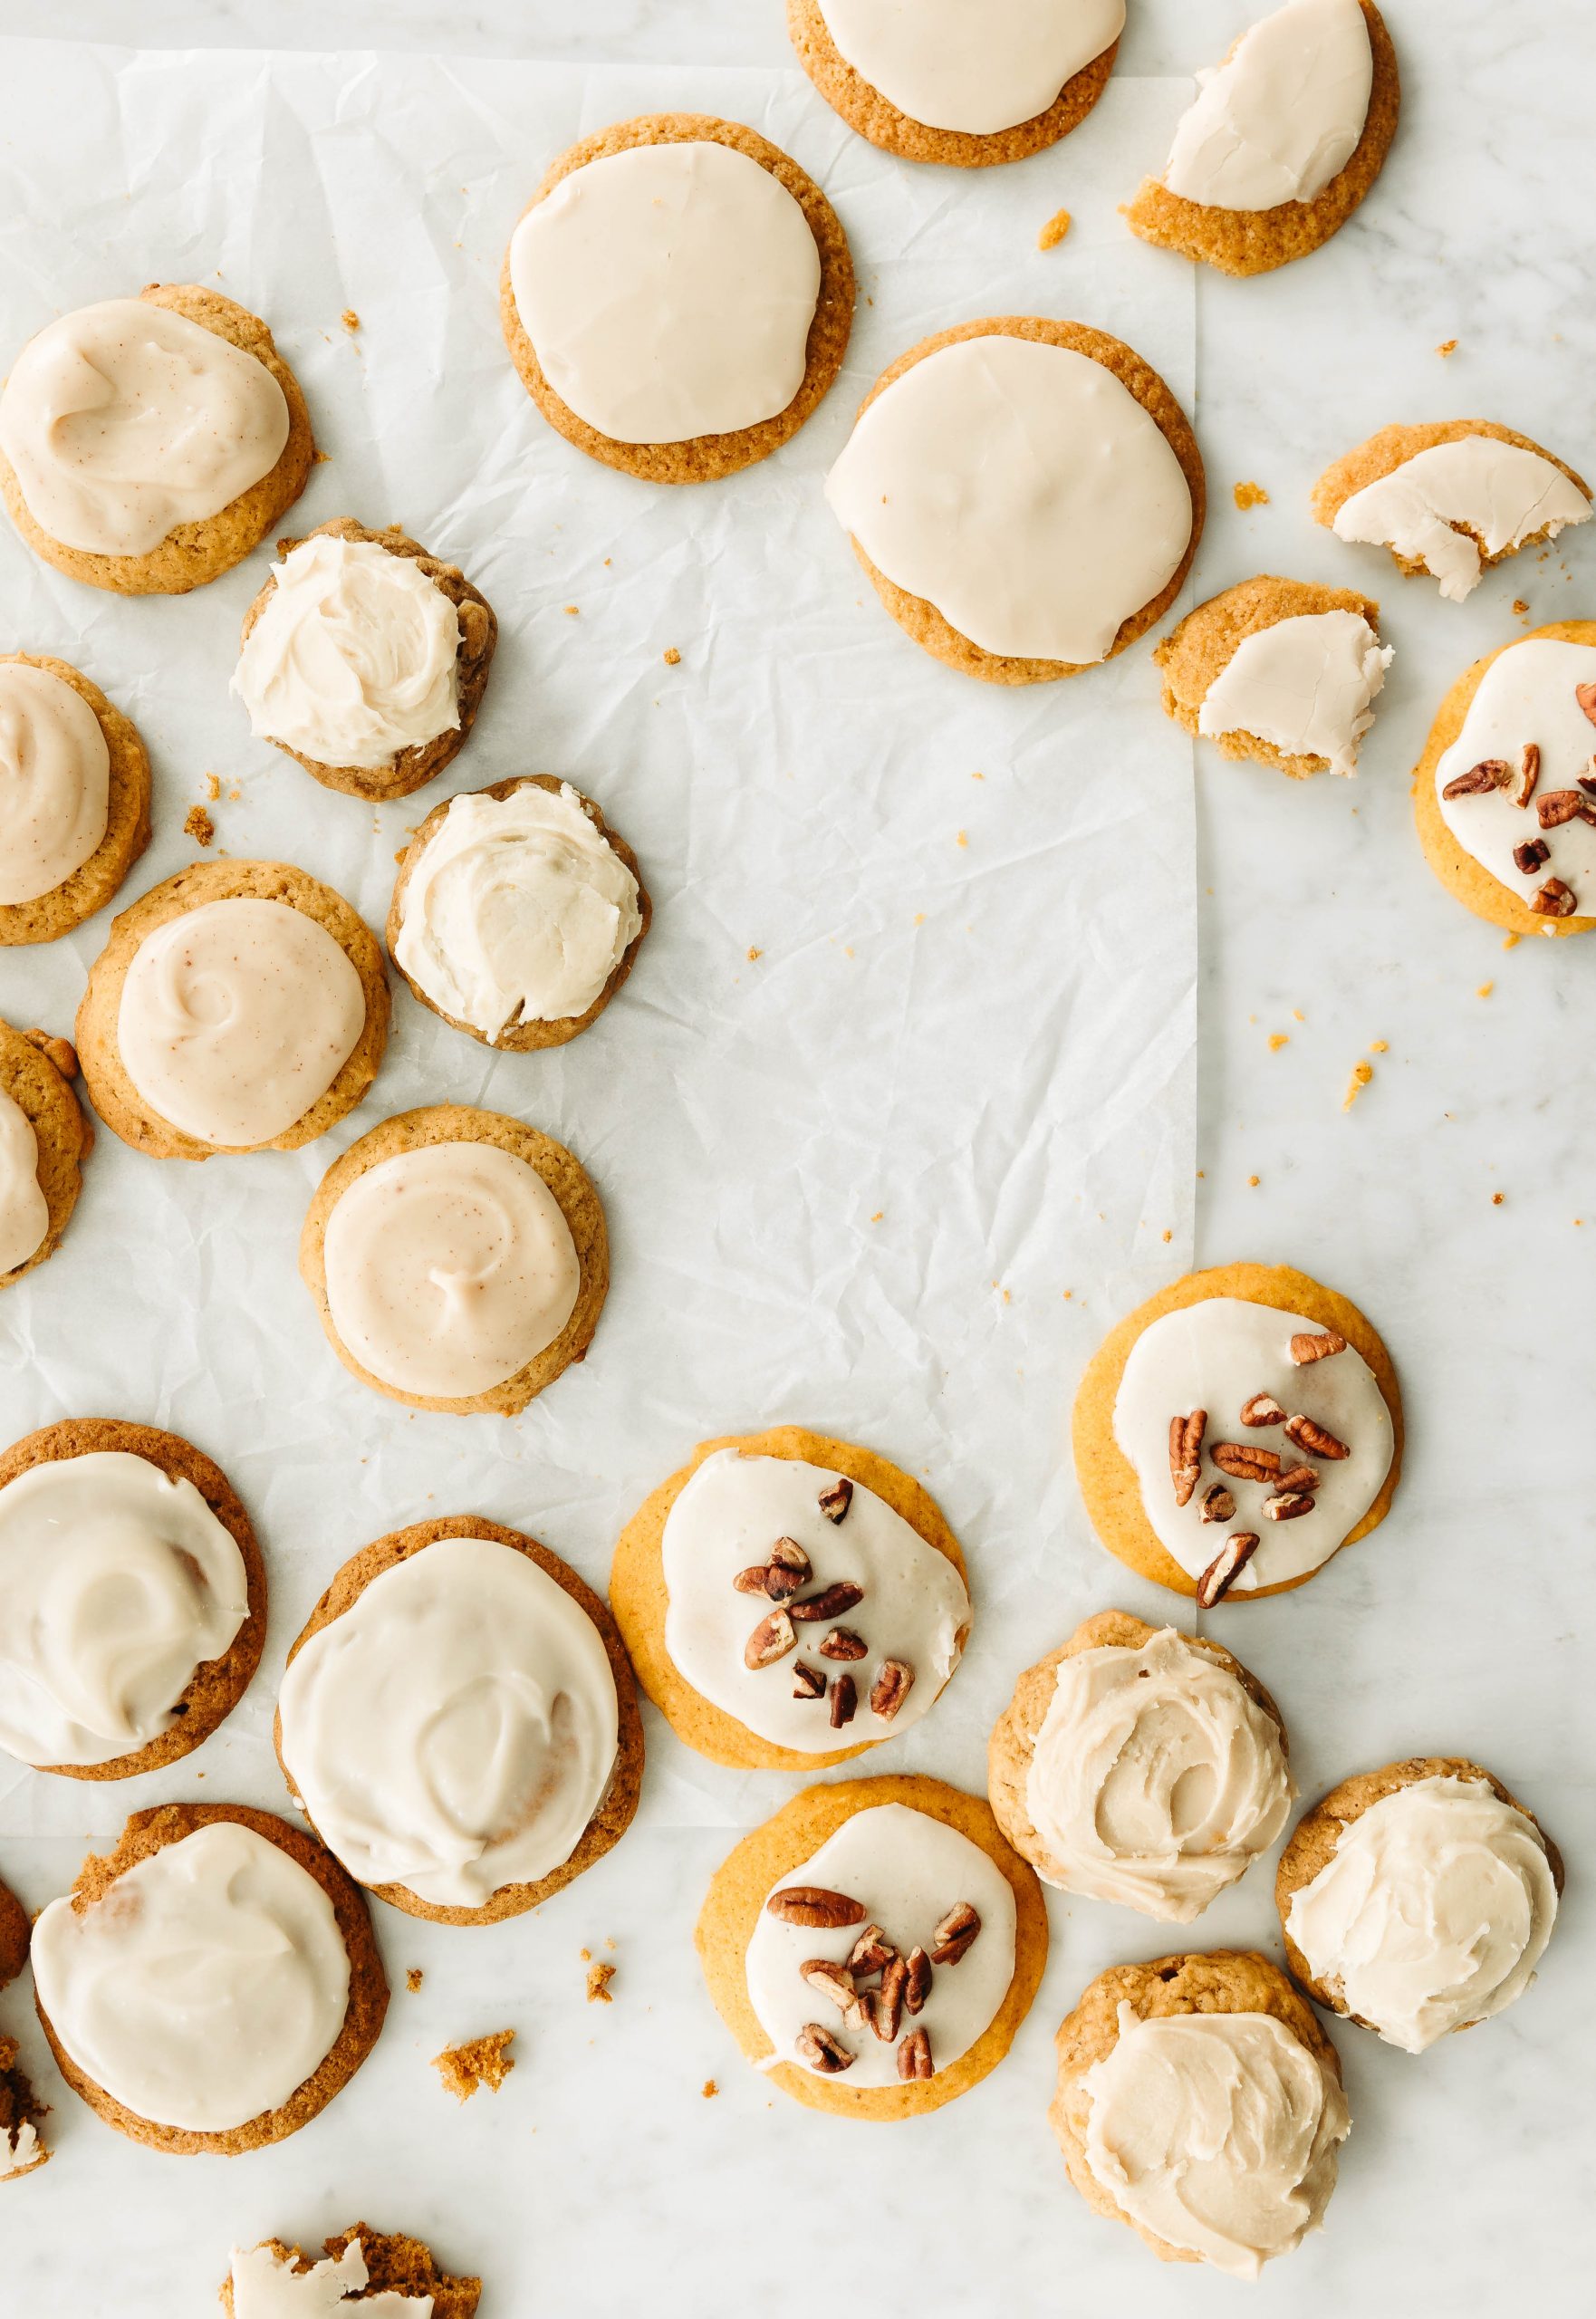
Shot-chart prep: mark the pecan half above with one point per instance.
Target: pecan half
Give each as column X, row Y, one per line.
column 1316, row 1345
column 1554, row 899
column 1480, row 779
column 844, row 1701
column 1529, row 773
column 1315, row 1439
column 835, row 1501
column 1186, row 1453
column 1244, row 1463
column 1226, row 1566
column 829, row 1603
column 808, row 1682
column 1530, row 856
column 1300, row 1478
column 842, row 1642
column 1556, row 806
column 1263, row 1408
column 822, row 2051
column 894, row 1680
column 787, row 1570
column 1287, row 1505
column 914, row 2057
column 918, row 1987
column 1586, row 696
column 835, row 1984
column 870, row 1953
column 954, row 1934
column 886, row 2012
column 814, row 1905
column 1218, row 1503
column 771, row 1640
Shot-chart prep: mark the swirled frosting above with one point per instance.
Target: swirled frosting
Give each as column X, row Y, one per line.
column 518, row 909
column 1431, row 1913
column 455, row 1729
column 266, row 2285
column 1155, row 1779
column 117, row 1584
column 354, row 657
column 1217, row 2132
column 123, row 420
column 54, row 782
column 1283, row 115
column 979, row 66
column 24, row 1212
column 448, row 1268
column 237, row 1017
column 204, row 1986
column 1453, row 503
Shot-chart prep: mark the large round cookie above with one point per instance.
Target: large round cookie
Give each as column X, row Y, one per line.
column 37, row 1072
column 396, row 2264
column 127, row 826
column 1199, row 647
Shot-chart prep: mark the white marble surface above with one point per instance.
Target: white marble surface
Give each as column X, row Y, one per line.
column 600, row 2179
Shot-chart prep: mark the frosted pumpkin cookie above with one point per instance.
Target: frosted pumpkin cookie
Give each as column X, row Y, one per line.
column 1200, row 2102
column 789, row 1601
column 1278, row 670
column 74, row 797
column 132, row 1599
column 1449, row 498
column 1417, row 1900
column 45, row 1137
column 458, row 1722
column 360, row 2270
column 147, row 444
column 1283, row 140
column 1141, row 1765
column 210, row 1984
column 1504, row 794
column 365, row 658
column 239, row 1007
column 517, row 912
column 22, row 2114
column 459, row 1259
column 965, row 82
column 676, row 297
column 1235, row 1430
column 15, row 1926
column 1026, row 496
column 875, row 1946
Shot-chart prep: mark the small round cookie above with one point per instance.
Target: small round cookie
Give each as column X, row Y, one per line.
column 75, row 778
column 299, row 1042
column 45, row 1139
column 1504, row 794
column 204, row 443
column 22, row 2146
column 445, row 1195
column 15, row 1929
column 1281, row 143
column 459, row 1626
column 676, row 296
column 365, row 658
column 1141, row 1765
column 1282, row 671
column 151, row 1989
column 517, row 912
column 1449, row 498
column 1079, row 483
column 1188, row 2089
column 781, row 1590
column 1417, row 1900
column 880, row 1937
column 956, row 83
column 365, row 2264
column 1235, row 1430
column 132, row 1599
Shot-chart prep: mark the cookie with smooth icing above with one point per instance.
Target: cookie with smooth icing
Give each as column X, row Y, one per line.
column 702, row 456
column 1113, row 1493
column 15, row 1929
column 1149, row 538
column 962, row 40
column 121, row 815
column 23, row 2150
column 385, row 681
column 382, row 2263
column 192, row 551
column 1242, row 241
column 617, row 1785
column 199, row 2011
column 340, row 965
column 511, row 1242
column 520, row 1032
column 639, row 1596
column 1313, row 681
column 965, row 1845
column 45, row 1137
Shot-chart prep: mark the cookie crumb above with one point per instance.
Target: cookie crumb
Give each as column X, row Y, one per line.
column 572, row 611
column 1380, row 1046
column 1521, row 605
column 1362, row 1073
column 1252, row 1182
column 483, row 2061
column 1278, row 1039
column 199, row 825
column 672, row 656
column 1447, row 346
column 599, row 1976
column 963, row 837
column 1512, row 941
column 350, row 320
column 1250, row 494
column 878, row 1216
column 213, row 787
column 1166, row 1235
column 753, row 952
column 1484, row 990
column 1498, row 1198
column 413, row 1979
column 709, row 2089
column 1054, row 232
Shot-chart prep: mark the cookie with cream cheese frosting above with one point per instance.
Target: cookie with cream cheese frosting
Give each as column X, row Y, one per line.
column 366, row 2264
column 23, row 2149
column 78, row 811
column 1282, row 671
column 45, row 1135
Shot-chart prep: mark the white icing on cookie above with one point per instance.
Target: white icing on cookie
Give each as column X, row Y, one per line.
column 54, row 782
column 1282, row 116
column 266, row 2285
column 1447, row 502
column 24, row 1212
column 972, row 66
column 1303, row 684
column 1528, row 694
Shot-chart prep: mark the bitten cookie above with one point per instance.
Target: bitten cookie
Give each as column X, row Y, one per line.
column 364, row 2264
column 881, row 1939
column 440, row 1195
column 132, row 1599
column 461, row 1619
column 74, row 797
column 1417, row 1900
column 789, row 1601
column 1281, row 671
column 676, row 297
column 21, row 2114
column 196, row 442
column 1141, row 1765
column 1283, row 140
column 1449, row 498
column 176, row 1073
column 365, row 658
column 1200, row 2102
column 15, row 1926
column 1026, row 496
column 45, row 1137
column 211, row 1983
column 517, row 913
column 1235, row 1430
column 1504, row 794
column 951, row 83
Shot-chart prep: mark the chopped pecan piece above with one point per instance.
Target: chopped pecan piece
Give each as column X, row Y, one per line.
column 870, row 1953
column 835, row 1501
column 918, row 1986
column 914, row 2057
column 1587, row 783
column 842, row 1642
column 1217, row 1503
column 752, row 1580
column 1186, row 1453
column 1315, row 1346
column 1262, row 1409
column 1556, row 806
column 1532, row 855
column 1529, row 773
column 835, row 1984
column 771, row 1640
column 829, row 1603
column 953, row 1935
column 1554, row 899
column 1315, row 1439
column 894, row 1680
column 822, row 2051
column 1480, row 779
column 787, row 1570
column 844, row 1701
column 1586, row 696
column 886, row 2012
column 1300, row 1478
column 814, row 1905
column 1222, row 1573
column 1244, row 1463
column 808, row 1682
column 1287, row 1505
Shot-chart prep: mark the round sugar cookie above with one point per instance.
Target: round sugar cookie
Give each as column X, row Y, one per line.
column 127, row 825
column 36, row 1073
